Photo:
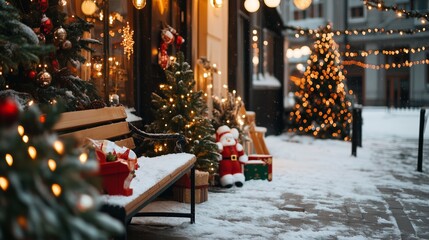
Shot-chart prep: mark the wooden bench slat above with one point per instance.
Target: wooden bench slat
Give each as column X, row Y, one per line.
column 127, row 142
column 69, row 120
column 101, row 132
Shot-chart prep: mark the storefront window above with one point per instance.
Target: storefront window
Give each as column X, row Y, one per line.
column 114, row 59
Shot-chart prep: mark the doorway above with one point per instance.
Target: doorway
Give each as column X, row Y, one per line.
column 397, row 91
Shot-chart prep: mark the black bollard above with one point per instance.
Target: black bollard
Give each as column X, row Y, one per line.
column 354, row 133
column 421, row 132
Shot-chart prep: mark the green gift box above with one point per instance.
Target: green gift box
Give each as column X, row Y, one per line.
column 255, row 169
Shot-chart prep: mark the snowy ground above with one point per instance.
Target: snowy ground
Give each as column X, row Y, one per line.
column 319, row 191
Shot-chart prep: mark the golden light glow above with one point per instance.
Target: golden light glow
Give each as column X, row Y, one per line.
column 83, row 157
column 139, row 4
column 4, row 183
column 9, row 159
column 88, row 7
column 127, row 40
column 32, row 152
column 21, row 130
column 59, row 147
column 302, row 4
column 56, row 189
column 25, row 138
column 52, row 164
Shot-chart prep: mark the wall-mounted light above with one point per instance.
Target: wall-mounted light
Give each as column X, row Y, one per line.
column 216, row 3
column 272, row 3
column 251, row 5
column 88, row 7
column 302, row 4
column 139, row 4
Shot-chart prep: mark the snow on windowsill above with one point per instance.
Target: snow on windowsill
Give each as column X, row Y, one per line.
column 263, row 81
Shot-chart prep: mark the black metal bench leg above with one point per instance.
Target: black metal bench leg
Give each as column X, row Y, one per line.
column 118, row 213
column 193, row 195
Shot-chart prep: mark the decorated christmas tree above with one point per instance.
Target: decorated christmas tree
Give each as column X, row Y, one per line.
column 178, row 108
column 45, row 192
column 40, row 53
column 323, row 106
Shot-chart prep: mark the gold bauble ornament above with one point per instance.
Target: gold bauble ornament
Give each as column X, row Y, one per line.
column 60, row 34
column 44, row 78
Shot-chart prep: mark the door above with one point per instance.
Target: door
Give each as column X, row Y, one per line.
column 398, row 91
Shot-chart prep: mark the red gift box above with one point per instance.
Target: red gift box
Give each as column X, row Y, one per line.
column 114, row 175
column 268, row 159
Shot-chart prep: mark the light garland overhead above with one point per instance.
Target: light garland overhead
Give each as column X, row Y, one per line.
column 356, row 32
column 379, row 5
column 386, row 65
column 391, row 52
column 127, row 40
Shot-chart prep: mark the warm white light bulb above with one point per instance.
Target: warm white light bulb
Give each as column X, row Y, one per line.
column 88, row 7
column 272, row 3
column 302, row 4
column 251, row 5
column 139, row 4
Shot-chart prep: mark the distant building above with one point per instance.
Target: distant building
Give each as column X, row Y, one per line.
column 394, row 87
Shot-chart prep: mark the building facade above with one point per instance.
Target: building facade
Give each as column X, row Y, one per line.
column 398, row 78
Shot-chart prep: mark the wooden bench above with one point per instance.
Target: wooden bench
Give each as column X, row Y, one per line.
column 153, row 177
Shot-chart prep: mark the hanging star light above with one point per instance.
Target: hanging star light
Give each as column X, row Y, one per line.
column 128, row 42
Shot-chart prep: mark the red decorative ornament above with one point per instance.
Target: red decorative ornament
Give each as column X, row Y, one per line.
column 46, row 24
column 179, row 40
column 55, row 64
column 163, row 59
column 44, row 5
column 32, row 74
column 9, row 112
column 167, row 36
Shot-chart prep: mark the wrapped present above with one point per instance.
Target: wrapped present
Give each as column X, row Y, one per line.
column 117, row 167
column 267, row 159
column 182, row 188
column 255, row 169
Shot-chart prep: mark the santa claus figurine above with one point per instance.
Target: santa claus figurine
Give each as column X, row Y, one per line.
column 230, row 169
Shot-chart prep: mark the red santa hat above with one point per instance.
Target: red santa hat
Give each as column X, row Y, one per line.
column 221, row 131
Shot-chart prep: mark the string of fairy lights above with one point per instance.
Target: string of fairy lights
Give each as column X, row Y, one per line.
column 379, row 5
column 400, row 12
column 32, row 152
column 390, row 52
column 304, row 32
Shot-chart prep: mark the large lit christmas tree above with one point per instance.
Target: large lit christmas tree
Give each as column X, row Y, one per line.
column 178, row 108
column 40, row 53
column 45, row 192
column 323, row 106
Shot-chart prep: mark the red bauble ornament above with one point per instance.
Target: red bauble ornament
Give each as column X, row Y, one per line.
column 44, row 4
column 9, row 112
column 46, row 25
column 179, row 40
column 32, row 74
column 55, row 64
